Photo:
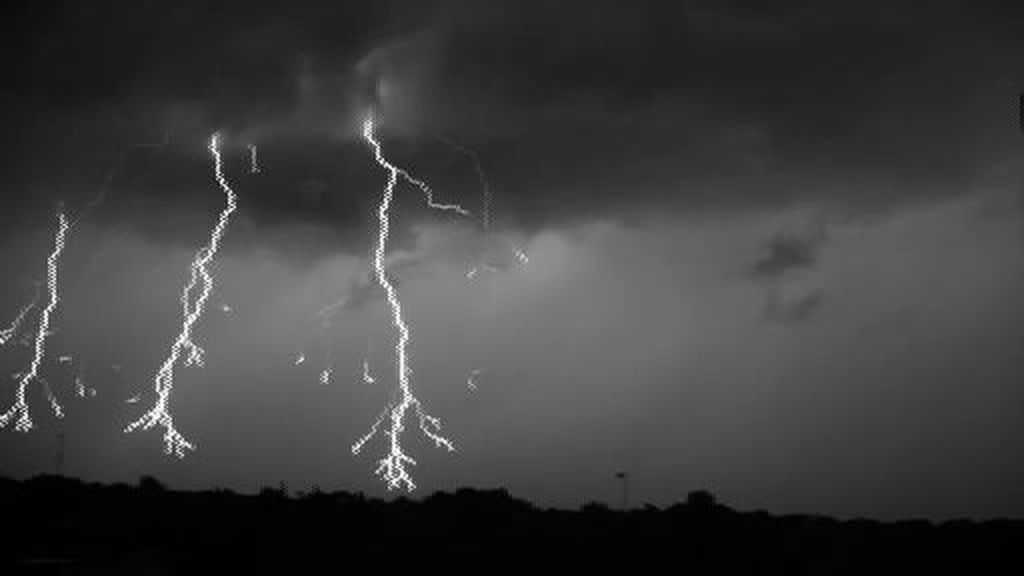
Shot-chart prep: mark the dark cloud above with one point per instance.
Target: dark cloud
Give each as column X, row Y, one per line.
column 785, row 253
column 86, row 83
column 576, row 110
column 788, row 252
column 786, row 266
column 734, row 105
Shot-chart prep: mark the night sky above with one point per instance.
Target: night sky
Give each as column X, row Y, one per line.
column 773, row 252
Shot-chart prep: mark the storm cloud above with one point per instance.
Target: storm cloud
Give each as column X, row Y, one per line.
column 575, row 113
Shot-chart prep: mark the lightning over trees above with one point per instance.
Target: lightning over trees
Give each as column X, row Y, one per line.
column 392, row 468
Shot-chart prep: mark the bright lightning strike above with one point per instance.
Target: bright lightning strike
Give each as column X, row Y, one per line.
column 20, row 407
column 392, row 468
column 192, row 309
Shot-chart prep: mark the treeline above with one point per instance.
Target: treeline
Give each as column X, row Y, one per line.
column 57, row 525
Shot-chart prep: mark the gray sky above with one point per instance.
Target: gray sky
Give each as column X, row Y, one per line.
column 772, row 253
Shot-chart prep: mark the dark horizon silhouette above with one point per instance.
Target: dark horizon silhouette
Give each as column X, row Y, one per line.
column 59, row 525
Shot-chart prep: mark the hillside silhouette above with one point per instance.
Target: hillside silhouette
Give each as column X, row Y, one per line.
column 56, row 525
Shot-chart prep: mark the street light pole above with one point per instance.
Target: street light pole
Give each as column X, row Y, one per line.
column 624, row 476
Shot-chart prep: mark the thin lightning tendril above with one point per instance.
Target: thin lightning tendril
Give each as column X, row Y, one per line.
column 327, row 312
column 430, row 194
column 485, row 189
column 392, row 468
column 192, row 310
column 119, row 164
column 20, row 407
column 12, row 330
column 396, row 172
column 367, row 378
column 481, row 176
column 471, row 380
column 254, row 165
column 81, row 387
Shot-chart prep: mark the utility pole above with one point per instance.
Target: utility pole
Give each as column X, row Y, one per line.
column 1020, row 111
column 624, row 476
column 60, row 454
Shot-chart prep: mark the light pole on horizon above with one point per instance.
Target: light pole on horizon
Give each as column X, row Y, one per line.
column 624, row 476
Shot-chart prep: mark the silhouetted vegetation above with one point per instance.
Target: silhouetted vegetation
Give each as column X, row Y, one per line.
column 62, row 526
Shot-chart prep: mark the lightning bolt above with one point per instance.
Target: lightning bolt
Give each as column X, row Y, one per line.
column 20, row 407
column 192, row 309
column 43, row 330
column 392, row 468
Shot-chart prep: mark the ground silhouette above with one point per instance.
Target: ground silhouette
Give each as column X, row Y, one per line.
column 58, row 525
